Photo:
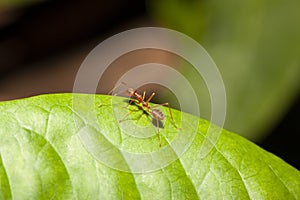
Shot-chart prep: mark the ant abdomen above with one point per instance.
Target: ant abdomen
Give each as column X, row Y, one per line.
column 157, row 114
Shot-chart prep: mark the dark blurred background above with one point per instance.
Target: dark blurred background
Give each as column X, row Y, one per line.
column 254, row 43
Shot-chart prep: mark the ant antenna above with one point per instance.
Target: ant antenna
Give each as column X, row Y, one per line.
column 110, row 92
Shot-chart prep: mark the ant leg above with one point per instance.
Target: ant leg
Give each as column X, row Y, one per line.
column 110, row 93
column 131, row 111
column 104, row 103
column 130, row 102
column 107, row 104
column 149, row 99
column 144, row 95
column 157, row 125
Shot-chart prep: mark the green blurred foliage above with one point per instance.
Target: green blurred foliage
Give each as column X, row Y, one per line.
column 255, row 44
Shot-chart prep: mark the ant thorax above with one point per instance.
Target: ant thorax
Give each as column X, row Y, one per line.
column 145, row 104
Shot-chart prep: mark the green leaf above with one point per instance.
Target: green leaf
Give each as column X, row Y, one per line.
column 67, row 146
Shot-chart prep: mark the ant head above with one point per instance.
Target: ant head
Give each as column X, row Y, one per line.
column 130, row 92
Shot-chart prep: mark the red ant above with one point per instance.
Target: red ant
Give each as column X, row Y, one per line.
column 155, row 113
column 139, row 100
